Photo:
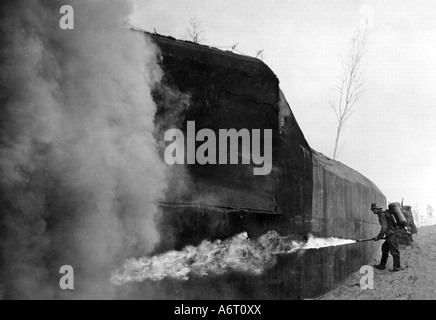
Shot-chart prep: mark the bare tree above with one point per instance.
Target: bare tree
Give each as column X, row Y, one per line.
column 194, row 31
column 350, row 86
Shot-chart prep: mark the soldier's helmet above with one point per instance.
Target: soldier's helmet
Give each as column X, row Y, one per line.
column 375, row 205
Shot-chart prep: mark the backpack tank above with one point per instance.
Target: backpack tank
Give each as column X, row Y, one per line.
column 395, row 209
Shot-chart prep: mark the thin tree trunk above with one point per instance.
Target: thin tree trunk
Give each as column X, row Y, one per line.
column 350, row 87
column 338, row 133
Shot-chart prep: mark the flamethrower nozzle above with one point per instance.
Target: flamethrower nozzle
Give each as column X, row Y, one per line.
column 370, row 239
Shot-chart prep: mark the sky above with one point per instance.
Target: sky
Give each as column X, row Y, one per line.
column 390, row 137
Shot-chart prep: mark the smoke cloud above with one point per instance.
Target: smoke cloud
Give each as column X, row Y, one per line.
column 80, row 175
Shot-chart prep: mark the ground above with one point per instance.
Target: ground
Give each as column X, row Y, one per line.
column 417, row 281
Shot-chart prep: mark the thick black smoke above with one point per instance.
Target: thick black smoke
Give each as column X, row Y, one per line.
column 79, row 173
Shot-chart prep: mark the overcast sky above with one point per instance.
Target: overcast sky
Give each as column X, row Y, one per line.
column 391, row 137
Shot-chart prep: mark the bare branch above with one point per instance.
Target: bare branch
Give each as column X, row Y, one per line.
column 194, row 31
column 334, row 109
column 340, row 149
column 348, row 116
column 338, row 89
column 351, row 84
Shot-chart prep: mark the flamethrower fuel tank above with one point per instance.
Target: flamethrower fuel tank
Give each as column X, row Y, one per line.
column 395, row 209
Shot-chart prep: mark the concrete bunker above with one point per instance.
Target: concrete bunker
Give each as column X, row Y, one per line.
column 306, row 192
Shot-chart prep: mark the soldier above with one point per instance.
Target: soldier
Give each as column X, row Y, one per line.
column 391, row 245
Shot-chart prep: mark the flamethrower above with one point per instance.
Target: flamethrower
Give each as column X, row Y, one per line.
column 370, row 239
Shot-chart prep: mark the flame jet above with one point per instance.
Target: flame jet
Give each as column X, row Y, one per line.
column 239, row 254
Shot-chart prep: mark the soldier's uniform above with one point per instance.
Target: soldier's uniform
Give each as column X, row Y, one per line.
column 391, row 245
column 389, row 230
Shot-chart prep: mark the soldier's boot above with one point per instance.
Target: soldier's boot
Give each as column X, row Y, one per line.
column 380, row 266
column 383, row 261
column 397, row 263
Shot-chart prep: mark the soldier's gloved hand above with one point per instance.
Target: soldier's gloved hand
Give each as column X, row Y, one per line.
column 375, row 239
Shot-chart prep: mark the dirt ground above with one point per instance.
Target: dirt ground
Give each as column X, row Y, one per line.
column 416, row 282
